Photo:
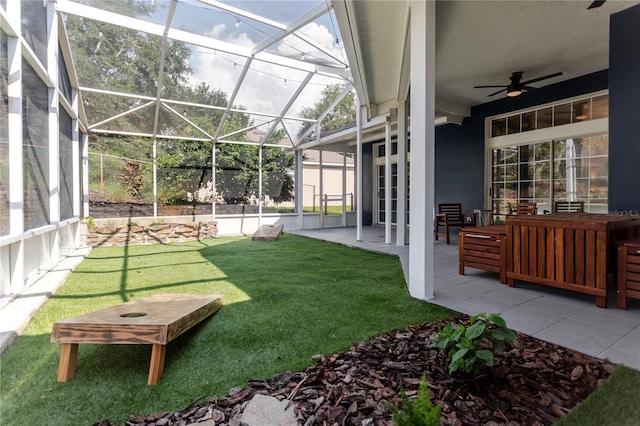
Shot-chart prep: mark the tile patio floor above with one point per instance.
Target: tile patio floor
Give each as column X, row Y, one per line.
column 558, row 316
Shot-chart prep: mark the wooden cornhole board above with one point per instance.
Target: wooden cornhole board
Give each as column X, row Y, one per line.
column 154, row 320
column 268, row 232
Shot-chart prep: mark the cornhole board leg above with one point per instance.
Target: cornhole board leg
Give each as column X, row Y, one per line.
column 156, row 367
column 68, row 357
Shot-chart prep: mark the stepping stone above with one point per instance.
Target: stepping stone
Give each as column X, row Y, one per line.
column 268, row 232
column 265, row 410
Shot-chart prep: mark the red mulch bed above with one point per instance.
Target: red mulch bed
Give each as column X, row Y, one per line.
column 532, row 383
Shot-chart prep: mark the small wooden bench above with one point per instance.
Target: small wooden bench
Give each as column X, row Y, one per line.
column 154, row 320
column 628, row 272
column 484, row 248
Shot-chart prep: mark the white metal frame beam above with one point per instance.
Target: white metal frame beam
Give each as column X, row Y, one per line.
column 78, row 9
column 287, row 106
column 322, row 116
column 313, row 14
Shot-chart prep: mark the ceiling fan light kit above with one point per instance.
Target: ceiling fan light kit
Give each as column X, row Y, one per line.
column 513, row 91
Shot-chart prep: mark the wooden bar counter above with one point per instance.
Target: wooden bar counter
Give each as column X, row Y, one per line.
column 154, row 320
column 573, row 251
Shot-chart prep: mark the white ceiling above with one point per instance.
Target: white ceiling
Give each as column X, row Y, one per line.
column 479, row 43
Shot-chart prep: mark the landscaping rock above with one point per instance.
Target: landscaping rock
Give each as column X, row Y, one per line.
column 265, row 410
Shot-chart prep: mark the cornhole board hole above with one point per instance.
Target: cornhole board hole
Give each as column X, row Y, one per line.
column 268, row 232
column 155, row 320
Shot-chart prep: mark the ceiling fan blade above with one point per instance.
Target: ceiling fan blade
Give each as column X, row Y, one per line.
column 499, row 91
column 485, row 87
column 542, row 78
column 595, row 4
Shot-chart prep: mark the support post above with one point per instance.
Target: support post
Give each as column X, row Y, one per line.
column 423, row 58
column 299, row 188
column 359, row 111
column 403, row 199
column 387, row 182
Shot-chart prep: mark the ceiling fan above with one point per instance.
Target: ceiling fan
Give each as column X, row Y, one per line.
column 595, row 4
column 516, row 86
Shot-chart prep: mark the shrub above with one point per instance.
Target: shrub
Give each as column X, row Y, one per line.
column 89, row 221
column 132, row 177
column 470, row 348
column 420, row 412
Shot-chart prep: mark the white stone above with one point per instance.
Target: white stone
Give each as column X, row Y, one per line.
column 265, row 410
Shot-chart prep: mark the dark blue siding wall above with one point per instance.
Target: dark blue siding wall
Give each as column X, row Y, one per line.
column 460, row 149
column 459, row 164
column 624, row 111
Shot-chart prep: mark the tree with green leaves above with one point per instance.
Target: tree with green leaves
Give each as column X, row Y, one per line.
column 123, row 60
column 343, row 114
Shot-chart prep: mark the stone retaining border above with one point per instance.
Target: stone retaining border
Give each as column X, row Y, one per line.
column 137, row 235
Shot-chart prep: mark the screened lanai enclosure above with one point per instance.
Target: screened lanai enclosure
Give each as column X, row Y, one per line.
column 196, row 107
column 192, row 109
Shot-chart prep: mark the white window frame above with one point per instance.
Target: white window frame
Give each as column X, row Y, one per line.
column 566, row 131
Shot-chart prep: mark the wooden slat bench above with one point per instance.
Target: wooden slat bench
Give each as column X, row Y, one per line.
column 484, row 248
column 628, row 272
column 154, row 320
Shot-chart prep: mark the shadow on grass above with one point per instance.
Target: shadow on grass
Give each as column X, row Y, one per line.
column 284, row 302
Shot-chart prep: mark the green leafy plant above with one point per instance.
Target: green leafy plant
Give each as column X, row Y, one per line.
column 89, row 221
column 472, row 347
column 419, row 412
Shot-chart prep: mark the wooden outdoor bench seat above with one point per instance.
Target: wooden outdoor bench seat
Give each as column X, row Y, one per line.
column 484, row 248
column 154, row 320
column 628, row 272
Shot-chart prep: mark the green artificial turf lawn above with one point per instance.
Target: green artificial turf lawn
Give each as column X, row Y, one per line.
column 615, row 402
column 284, row 302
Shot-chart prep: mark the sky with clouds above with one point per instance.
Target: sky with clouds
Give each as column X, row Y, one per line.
column 267, row 87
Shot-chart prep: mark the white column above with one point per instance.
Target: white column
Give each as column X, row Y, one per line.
column 387, row 181
column 260, row 195
column 16, row 183
column 54, row 133
column 85, row 175
column 214, row 192
column 13, row 257
column 75, row 155
column 321, row 190
column 359, row 113
column 155, row 177
column 401, row 221
column 344, row 189
column 299, row 188
column 423, row 56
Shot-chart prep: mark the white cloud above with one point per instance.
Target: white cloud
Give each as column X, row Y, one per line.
column 217, row 31
column 264, row 88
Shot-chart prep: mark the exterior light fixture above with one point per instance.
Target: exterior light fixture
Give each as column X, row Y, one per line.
column 237, row 22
